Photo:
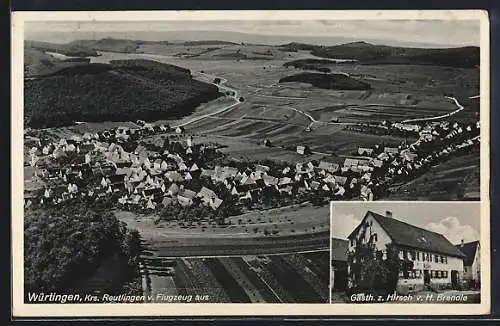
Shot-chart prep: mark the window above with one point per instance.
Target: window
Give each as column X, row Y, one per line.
column 374, row 237
column 446, row 260
column 436, row 258
column 401, row 254
column 445, row 274
column 433, row 274
column 418, row 255
column 352, row 242
column 440, row 274
column 442, row 259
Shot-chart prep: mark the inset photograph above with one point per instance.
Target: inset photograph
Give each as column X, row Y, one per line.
column 405, row 252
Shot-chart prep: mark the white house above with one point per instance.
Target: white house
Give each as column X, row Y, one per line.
column 472, row 261
column 436, row 262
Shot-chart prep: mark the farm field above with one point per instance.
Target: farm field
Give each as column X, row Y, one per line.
column 456, row 179
column 273, row 111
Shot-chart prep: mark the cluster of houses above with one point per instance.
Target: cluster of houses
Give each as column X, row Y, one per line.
column 98, row 165
column 436, row 140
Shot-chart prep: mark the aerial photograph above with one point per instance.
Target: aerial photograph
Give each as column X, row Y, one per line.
column 181, row 161
column 406, row 252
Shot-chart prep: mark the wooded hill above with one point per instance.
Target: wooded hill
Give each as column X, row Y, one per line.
column 328, row 81
column 366, row 53
column 120, row 91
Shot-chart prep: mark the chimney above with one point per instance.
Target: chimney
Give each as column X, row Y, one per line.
column 462, row 243
column 388, row 214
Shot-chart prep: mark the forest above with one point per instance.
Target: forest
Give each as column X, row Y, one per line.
column 64, row 246
column 327, row 81
column 118, row 91
column 366, row 53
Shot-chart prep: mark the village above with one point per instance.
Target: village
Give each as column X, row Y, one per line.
column 120, row 164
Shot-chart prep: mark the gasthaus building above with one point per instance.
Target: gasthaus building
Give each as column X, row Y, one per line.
column 436, row 262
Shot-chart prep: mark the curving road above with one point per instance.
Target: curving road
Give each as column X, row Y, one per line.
column 460, row 108
column 221, row 110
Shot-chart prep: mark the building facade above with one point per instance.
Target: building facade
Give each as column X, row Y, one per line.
column 472, row 262
column 338, row 273
column 434, row 261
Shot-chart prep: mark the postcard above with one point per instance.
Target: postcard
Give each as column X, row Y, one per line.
column 203, row 163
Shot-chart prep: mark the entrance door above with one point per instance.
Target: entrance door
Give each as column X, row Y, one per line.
column 340, row 281
column 454, row 279
column 427, row 277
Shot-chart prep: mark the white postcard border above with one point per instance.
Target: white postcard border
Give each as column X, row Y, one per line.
column 21, row 309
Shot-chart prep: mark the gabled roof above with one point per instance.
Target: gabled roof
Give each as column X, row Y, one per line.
column 247, row 181
column 215, row 203
column 408, row 235
column 206, row 193
column 339, row 249
column 207, row 172
column 285, row 181
column 340, row 179
column 469, row 249
column 332, row 167
column 270, row 180
column 174, row 188
column 391, row 150
column 262, row 168
column 174, row 176
column 186, row 193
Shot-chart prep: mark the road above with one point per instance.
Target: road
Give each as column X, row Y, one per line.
column 221, row 85
column 221, row 110
column 460, row 108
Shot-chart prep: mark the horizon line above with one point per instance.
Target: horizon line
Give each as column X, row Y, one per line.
column 180, row 40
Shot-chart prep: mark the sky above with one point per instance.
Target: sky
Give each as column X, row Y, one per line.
column 427, row 33
column 454, row 220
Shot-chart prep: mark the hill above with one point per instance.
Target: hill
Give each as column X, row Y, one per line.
column 366, row 53
column 328, row 81
column 322, row 65
column 294, row 47
column 120, row 91
column 37, row 62
column 109, row 44
column 208, row 42
column 73, row 49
